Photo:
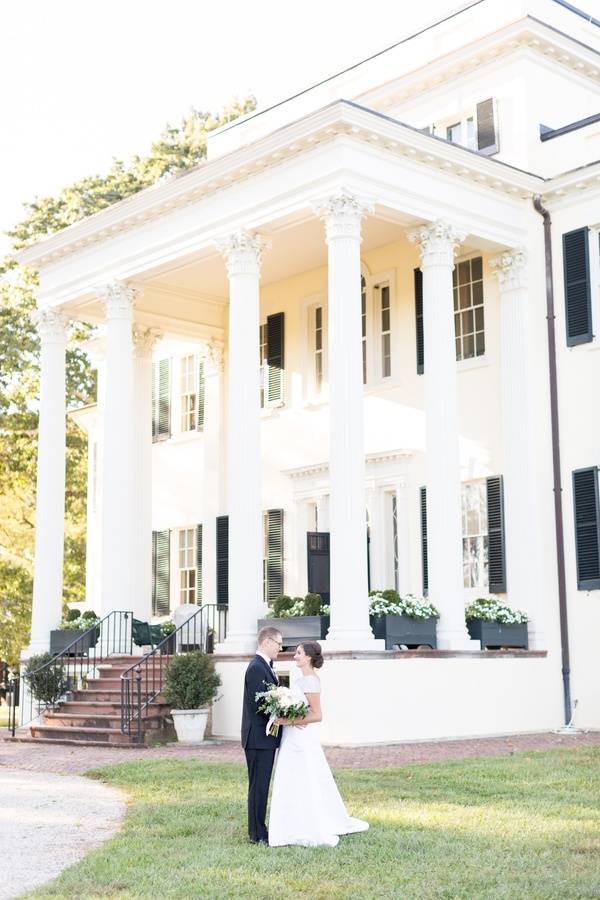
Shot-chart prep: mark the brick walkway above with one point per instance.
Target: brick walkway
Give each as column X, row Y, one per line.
column 75, row 760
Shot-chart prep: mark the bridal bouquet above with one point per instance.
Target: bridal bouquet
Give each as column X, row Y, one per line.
column 279, row 702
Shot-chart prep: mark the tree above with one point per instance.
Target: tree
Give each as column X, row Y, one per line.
column 178, row 148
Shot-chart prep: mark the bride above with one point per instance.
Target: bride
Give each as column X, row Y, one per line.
column 306, row 806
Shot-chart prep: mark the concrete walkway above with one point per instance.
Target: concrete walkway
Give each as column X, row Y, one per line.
column 50, row 817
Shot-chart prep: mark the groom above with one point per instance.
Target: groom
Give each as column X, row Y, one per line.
column 258, row 746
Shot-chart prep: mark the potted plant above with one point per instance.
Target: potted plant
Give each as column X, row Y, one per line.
column 408, row 620
column 166, row 629
column 298, row 619
column 74, row 627
column 47, row 680
column 191, row 685
column 494, row 623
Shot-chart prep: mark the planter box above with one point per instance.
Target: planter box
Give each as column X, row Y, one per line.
column 60, row 640
column 405, row 630
column 297, row 629
column 494, row 635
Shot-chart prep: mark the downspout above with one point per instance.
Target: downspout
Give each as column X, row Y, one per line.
column 558, row 514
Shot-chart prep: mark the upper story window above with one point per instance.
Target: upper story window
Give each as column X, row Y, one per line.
column 189, row 393
column 377, row 316
column 187, row 565
column 476, row 129
column 467, row 280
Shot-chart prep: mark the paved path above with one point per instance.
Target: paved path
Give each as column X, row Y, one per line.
column 75, row 760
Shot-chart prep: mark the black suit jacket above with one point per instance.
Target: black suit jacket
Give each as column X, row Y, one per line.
column 254, row 737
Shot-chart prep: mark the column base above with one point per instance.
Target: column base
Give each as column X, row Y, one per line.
column 35, row 648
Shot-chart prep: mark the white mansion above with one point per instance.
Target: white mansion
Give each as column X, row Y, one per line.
column 354, row 349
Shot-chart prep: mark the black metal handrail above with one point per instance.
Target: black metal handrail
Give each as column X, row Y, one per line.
column 143, row 682
column 35, row 692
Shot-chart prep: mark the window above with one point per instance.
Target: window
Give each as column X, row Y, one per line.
column 462, row 133
column 271, row 359
column 475, row 535
column 467, row 280
column 272, row 554
column 318, row 351
column 587, row 528
column 315, row 373
column 377, row 318
column 484, row 560
column 477, row 132
column 189, row 394
column 187, row 565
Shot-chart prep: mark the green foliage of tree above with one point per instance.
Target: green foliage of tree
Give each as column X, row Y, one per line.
column 178, row 148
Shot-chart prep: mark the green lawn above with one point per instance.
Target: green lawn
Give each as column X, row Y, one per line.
column 520, row 827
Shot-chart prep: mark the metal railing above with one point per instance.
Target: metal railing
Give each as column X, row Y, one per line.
column 143, row 682
column 34, row 693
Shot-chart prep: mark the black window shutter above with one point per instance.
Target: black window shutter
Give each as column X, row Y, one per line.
column 419, row 321
column 587, row 528
column 487, row 128
column 199, row 565
column 275, row 357
column 496, row 553
column 424, row 564
column 222, row 560
column 163, row 412
column 200, row 416
column 154, row 409
column 578, row 300
column 275, row 554
column 160, row 573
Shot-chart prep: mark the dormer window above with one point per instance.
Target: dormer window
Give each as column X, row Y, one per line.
column 476, row 130
column 462, row 133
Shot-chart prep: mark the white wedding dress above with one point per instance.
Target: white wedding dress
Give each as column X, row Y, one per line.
column 306, row 806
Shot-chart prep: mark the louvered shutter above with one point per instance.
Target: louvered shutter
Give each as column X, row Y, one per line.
column 154, row 408
column 275, row 554
column 200, row 394
column 160, row 573
column 424, row 564
column 163, row 398
column 419, row 321
column 496, row 554
column 587, row 528
column 222, row 560
column 199, row 565
column 487, row 128
column 275, row 359
column 578, row 299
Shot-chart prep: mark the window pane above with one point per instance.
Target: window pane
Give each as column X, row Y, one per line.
column 464, row 272
column 479, row 319
column 468, row 347
column 477, row 293
column 465, row 295
column 480, row 343
column 477, row 268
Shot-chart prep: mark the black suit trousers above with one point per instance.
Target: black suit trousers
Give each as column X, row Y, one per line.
column 260, row 766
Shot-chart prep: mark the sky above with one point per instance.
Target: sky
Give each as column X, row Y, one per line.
column 83, row 81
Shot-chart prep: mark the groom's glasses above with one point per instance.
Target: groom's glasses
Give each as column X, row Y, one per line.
column 279, row 643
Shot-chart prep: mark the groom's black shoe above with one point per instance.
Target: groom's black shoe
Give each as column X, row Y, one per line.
column 262, row 841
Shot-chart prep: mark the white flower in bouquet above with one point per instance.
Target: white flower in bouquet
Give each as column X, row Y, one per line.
column 279, row 702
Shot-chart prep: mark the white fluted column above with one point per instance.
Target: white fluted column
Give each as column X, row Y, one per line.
column 213, row 474
column 350, row 629
column 243, row 253
column 140, row 595
column 523, row 564
column 437, row 245
column 322, row 503
column 118, row 301
column 50, row 503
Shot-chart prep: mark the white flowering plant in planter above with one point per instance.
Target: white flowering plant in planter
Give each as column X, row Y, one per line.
column 285, row 607
column 492, row 609
column 390, row 603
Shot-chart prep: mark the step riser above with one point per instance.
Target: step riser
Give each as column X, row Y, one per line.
column 106, row 736
column 95, row 721
column 106, row 709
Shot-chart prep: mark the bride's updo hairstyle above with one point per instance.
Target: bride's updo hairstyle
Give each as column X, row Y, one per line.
column 313, row 650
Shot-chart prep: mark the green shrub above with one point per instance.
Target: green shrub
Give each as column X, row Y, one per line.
column 51, row 682
column 281, row 605
column 313, row 603
column 191, row 680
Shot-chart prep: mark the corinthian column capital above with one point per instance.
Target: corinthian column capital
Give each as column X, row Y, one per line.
column 118, row 299
column 437, row 243
column 144, row 340
column 243, row 253
column 213, row 358
column 511, row 269
column 342, row 214
column 51, row 325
